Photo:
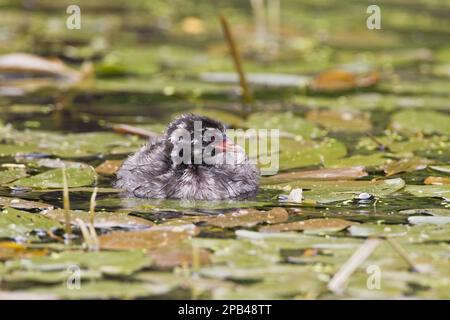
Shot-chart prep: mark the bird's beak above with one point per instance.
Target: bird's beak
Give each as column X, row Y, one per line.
column 226, row 146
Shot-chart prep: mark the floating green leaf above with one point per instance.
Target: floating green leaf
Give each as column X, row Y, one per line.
column 15, row 223
column 76, row 177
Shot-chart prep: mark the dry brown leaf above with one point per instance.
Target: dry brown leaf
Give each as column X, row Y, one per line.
column 340, row 80
column 249, row 218
column 437, row 180
column 109, row 167
column 12, row 250
column 311, row 224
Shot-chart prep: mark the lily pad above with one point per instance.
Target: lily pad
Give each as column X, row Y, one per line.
column 428, row 220
column 442, row 191
column 146, row 239
column 312, row 153
column 445, row 168
column 379, row 230
column 405, row 165
column 15, row 223
column 76, row 177
column 11, row 175
column 18, row 203
column 106, row 289
column 312, row 224
column 372, row 160
column 319, row 174
column 332, row 191
column 101, row 219
column 340, row 121
column 421, row 121
column 248, row 218
column 286, row 122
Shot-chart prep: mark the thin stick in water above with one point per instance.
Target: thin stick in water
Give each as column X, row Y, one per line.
column 66, row 205
column 337, row 283
column 247, row 96
column 404, row 254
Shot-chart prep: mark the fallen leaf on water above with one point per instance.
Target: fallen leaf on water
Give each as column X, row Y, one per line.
column 312, row 224
column 248, row 218
column 437, row 180
column 109, row 167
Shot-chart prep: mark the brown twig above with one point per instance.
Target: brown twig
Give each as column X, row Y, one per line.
column 246, row 93
column 66, row 205
column 127, row 129
column 337, row 283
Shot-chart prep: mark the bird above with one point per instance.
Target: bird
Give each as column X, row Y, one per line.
column 193, row 160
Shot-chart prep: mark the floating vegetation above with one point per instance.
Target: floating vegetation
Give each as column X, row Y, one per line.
column 363, row 159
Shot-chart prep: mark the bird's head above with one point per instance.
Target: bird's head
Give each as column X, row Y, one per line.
column 197, row 140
